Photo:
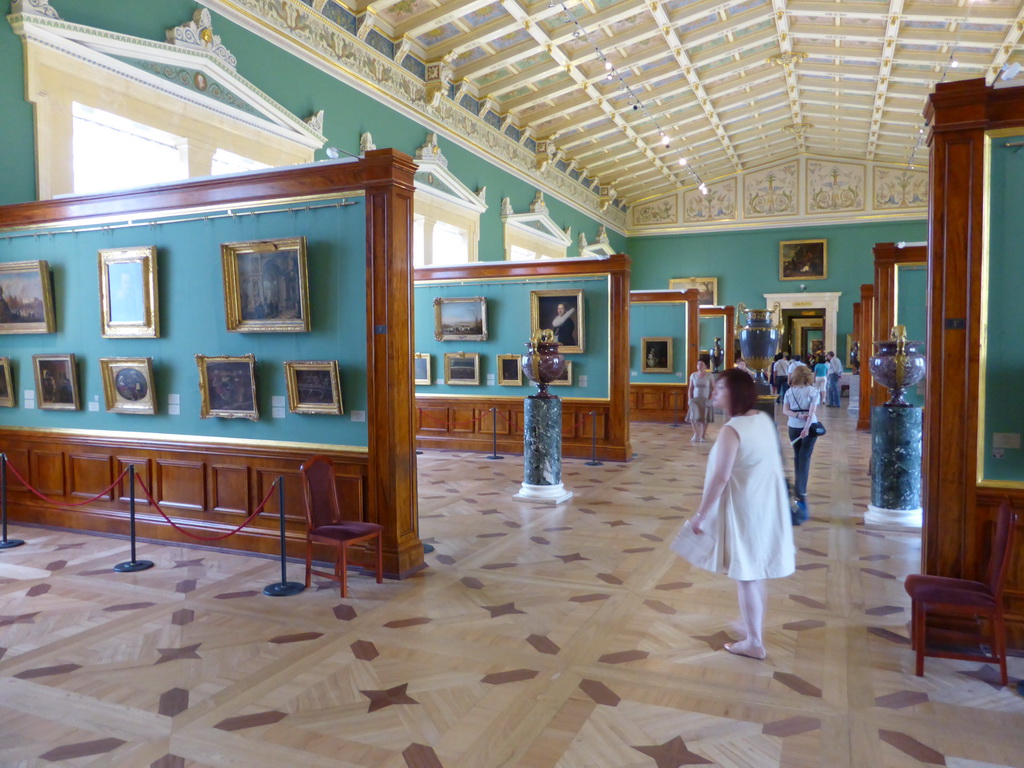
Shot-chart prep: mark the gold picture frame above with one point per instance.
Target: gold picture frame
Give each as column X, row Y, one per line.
column 544, row 313
column 656, row 354
column 227, row 387
column 564, row 379
column 128, row 385
column 6, row 383
column 421, row 365
column 803, row 259
column 707, row 288
column 56, row 382
column 314, row 387
column 265, row 286
column 460, row 318
column 462, row 369
column 129, row 299
column 26, row 298
column 510, row 370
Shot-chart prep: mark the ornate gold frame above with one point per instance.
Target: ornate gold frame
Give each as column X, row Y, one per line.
column 230, row 253
column 41, row 402
column 824, row 259
column 42, row 269
column 8, row 380
column 686, row 283
column 427, row 358
column 206, row 410
column 643, row 354
column 439, row 333
column 516, row 381
column 115, row 402
column 149, row 326
column 577, row 296
column 449, row 356
column 565, row 379
column 295, row 405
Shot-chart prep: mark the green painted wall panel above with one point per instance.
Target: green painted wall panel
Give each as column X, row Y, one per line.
column 912, row 312
column 18, row 148
column 657, row 320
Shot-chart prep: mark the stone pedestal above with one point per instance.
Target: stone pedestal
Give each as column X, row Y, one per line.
column 895, row 467
column 542, row 452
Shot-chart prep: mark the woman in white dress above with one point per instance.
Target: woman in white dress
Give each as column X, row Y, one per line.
column 742, row 527
column 699, row 401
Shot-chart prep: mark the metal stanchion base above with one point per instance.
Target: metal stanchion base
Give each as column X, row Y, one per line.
column 11, row 543
column 284, row 589
column 493, row 457
column 133, row 565
column 593, row 463
column 428, row 548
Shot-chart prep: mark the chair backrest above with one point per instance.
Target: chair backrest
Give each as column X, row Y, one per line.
column 1002, row 546
column 320, row 492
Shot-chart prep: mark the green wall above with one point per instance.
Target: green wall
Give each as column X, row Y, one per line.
column 912, row 312
column 657, row 320
column 192, row 321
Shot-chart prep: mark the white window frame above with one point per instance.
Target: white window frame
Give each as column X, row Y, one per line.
column 535, row 231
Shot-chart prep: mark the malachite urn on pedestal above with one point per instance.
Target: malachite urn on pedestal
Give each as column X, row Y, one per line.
column 543, row 363
column 897, row 365
column 759, row 338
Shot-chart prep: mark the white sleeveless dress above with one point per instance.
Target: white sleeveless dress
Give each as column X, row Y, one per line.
column 749, row 535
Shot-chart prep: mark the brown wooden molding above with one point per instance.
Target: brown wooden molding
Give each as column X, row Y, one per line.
column 729, row 313
column 490, row 269
column 662, row 403
column 867, row 334
column 690, row 296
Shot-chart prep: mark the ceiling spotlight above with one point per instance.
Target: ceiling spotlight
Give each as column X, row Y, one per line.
column 576, row 33
column 607, row 64
column 636, row 106
column 332, row 153
column 954, row 63
column 664, row 139
column 1010, row 71
column 703, row 189
column 551, row 3
column 682, row 161
column 609, row 76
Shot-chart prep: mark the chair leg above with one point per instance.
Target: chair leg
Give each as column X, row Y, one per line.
column 309, row 560
column 918, row 621
column 343, row 569
column 999, row 642
column 380, row 558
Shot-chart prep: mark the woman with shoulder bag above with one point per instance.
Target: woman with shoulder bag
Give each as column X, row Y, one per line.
column 800, row 405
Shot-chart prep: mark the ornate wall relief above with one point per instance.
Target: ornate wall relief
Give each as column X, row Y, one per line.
column 718, row 204
column 833, row 187
column 896, row 188
column 663, row 211
column 772, row 191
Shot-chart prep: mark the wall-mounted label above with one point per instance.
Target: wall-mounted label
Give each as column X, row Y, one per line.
column 277, row 411
column 93, row 405
column 173, row 409
column 277, row 401
column 582, row 380
column 490, row 379
column 358, row 415
column 1006, row 440
column 174, row 399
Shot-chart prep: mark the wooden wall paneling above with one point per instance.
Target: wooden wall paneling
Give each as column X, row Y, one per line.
column 294, row 498
column 657, row 402
column 89, row 474
column 867, row 333
column 47, row 475
column 18, row 459
column 618, row 382
column 143, row 473
column 855, row 335
column 180, row 484
column 229, row 490
column 465, row 419
column 728, row 313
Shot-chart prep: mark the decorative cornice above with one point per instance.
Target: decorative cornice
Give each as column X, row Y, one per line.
column 33, row 8
column 537, row 222
column 434, row 178
column 198, row 36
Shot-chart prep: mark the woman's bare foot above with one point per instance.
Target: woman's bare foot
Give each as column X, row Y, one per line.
column 743, row 648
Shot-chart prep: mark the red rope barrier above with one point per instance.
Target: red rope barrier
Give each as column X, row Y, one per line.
column 44, row 497
column 177, row 527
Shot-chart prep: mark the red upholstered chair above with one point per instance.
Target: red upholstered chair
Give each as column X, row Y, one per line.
column 978, row 604
column 325, row 526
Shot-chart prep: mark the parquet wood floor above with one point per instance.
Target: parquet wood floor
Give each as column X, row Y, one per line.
column 566, row 637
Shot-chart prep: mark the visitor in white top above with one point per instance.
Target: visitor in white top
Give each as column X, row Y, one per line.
column 781, row 369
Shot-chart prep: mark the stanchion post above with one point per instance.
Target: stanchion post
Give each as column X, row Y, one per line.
column 283, row 588
column 593, row 442
column 5, row 543
column 675, row 410
column 494, row 435
column 132, row 565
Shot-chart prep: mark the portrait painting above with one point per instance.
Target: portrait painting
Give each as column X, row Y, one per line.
column 6, row 383
column 707, row 288
column 128, row 385
column 803, row 259
column 421, row 369
column 656, row 354
column 510, row 370
column 460, row 319
column 26, row 298
column 564, row 379
column 561, row 312
column 265, row 286
column 314, row 387
column 56, row 382
column 227, row 387
column 128, row 293
column 461, row 368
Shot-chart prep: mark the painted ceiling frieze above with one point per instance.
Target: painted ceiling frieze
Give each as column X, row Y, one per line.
column 718, row 204
column 895, row 189
column 663, row 211
column 771, row 192
column 835, row 186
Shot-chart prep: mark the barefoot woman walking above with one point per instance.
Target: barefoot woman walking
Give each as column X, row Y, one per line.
column 742, row 527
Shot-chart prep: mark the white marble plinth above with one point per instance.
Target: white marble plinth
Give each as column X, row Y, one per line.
column 543, row 494
column 893, row 519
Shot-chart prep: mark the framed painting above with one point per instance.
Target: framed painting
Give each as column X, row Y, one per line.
column 56, row 382
column 26, row 298
column 6, row 383
column 656, row 354
column 510, row 370
column 803, row 259
column 565, row 377
column 460, row 319
column 265, row 286
column 561, row 312
column 421, row 369
column 128, row 385
column 129, row 303
column 707, row 288
column 314, row 386
column 227, row 387
column 461, row 368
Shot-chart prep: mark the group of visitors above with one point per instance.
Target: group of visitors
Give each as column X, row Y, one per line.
column 827, row 372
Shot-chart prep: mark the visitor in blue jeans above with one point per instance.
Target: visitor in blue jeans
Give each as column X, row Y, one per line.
column 800, row 404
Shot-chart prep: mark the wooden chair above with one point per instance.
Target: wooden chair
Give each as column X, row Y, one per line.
column 977, row 604
column 325, row 526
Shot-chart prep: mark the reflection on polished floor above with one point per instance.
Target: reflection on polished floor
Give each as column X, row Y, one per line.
column 540, row 638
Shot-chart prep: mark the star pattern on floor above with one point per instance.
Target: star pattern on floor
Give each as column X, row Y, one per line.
column 672, row 754
column 389, row 697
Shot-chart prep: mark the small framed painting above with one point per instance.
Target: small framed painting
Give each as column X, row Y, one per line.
column 227, row 387
column 128, row 385
column 656, row 354
column 128, row 293
column 462, row 369
column 56, row 382
column 26, row 298
column 562, row 312
column 803, row 259
column 421, row 369
column 707, row 288
column 6, row 383
column 510, row 370
column 314, row 386
column 565, row 377
column 460, row 319
column 265, row 286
